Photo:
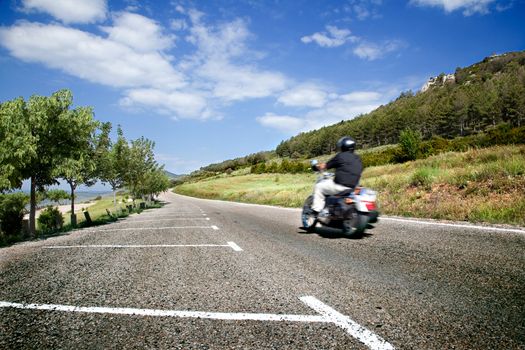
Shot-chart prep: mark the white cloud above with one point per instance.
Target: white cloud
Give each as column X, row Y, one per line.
column 469, row 7
column 361, row 96
column 364, row 49
column 373, row 51
column 214, row 63
column 178, row 24
column 233, row 82
column 224, row 42
column 68, row 11
column 132, row 53
column 283, row 123
column 333, row 38
column 363, row 9
column 337, row 108
column 182, row 104
column 138, row 32
column 307, row 95
column 88, row 56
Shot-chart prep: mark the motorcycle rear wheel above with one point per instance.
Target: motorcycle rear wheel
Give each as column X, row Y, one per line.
column 355, row 227
column 309, row 220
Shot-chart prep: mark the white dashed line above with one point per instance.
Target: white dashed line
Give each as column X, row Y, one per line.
column 235, row 246
column 172, row 219
column 154, row 228
column 229, row 245
column 327, row 315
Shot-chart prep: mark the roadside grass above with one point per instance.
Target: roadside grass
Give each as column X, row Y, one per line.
column 479, row 185
column 97, row 212
column 275, row 189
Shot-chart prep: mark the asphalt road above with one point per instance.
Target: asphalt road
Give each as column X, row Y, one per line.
column 200, row 274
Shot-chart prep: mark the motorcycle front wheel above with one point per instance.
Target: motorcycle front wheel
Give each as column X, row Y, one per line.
column 309, row 220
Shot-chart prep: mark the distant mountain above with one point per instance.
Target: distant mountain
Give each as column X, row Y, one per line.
column 172, row 175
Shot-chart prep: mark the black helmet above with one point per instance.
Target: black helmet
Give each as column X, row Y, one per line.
column 346, row 143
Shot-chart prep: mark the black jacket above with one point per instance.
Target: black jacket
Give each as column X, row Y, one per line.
column 348, row 168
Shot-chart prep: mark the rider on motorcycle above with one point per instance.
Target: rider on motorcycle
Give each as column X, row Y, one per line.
column 348, row 168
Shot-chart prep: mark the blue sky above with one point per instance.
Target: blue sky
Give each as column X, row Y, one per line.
column 214, row 80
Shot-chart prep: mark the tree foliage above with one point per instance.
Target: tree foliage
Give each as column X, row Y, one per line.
column 56, row 195
column 37, row 136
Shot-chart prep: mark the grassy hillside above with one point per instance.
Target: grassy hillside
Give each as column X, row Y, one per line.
column 479, row 185
column 477, row 106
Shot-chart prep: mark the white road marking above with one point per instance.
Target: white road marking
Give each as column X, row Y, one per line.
column 328, row 315
column 476, row 227
column 154, row 228
column 168, row 313
column 229, row 245
column 172, row 219
column 162, row 217
column 235, row 246
column 357, row 331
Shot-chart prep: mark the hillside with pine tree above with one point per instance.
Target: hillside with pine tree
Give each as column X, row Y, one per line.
column 470, row 101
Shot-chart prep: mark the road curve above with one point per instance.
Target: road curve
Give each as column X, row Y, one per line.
column 201, row 274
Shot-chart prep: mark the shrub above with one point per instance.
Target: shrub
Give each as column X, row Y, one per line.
column 440, row 144
column 387, row 156
column 12, row 210
column 423, row 177
column 409, row 143
column 50, row 219
column 258, row 168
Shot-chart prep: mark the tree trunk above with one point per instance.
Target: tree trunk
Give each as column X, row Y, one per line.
column 32, row 209
column 72, row 197
column 73, row 220
column 115, row 198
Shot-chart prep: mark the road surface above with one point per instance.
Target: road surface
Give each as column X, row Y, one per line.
column 199, row 274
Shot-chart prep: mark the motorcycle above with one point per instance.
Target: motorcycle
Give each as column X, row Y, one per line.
column 353, row 210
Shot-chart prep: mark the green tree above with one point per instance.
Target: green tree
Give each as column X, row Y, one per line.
column 111, row 159
column 78, row 166
column 139, row 161
column 154, row 183
column 56, row 195
column 17, row 146
column 410, row 142
column 37, row 136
